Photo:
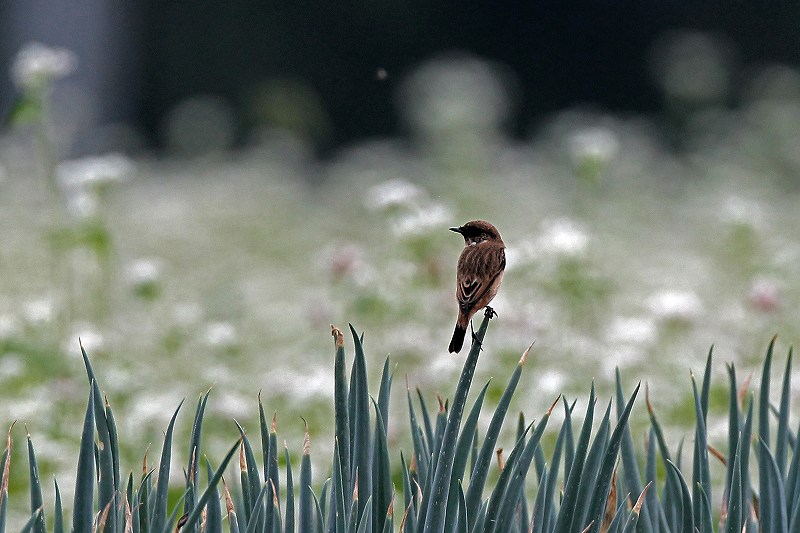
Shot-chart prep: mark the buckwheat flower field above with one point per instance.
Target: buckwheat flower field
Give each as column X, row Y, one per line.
column 626, row 249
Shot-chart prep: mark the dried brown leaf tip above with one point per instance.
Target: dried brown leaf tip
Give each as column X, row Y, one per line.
column 101, row 523
column 390, row 511
column 553, row 406
column 744, row 387
column 525, row 354
column 718, row 454
column 338, row 338
column 128, row 516
column 611, row 504
column 229, row 507
column 405, row 516
column 144, row 461
column 242, row 460
column 638, row 507
column 441, row 403
column 181, row 522
column 500, row 463
column 647, row 399
column 274, row 428
column 306, row 438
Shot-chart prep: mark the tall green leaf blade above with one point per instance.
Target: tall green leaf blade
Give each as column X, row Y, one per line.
column 706, row 387
column 213, row 512
column 734, row 428
column 426, row 419
column 339, row 512
column 273, row 500
column 463, row 447
column 434, row 520
column 159, row 519
column 195, row 442
column 251, row 478
column 382, row 490
column 701, row 472
column 108, row 477
column 256, row 522
column 383, row 394
column 793, row 489
column 340, row 407
column 306, row 504
column 763, row 435
column 605, row 475
column 82, row 508
column 499, row 491
column 288, row 522
column 735, row 512
column 782, row 437
column 540, row 504
column 360, row 423
column 747, row 435
column 421, row 455
column 37, row 501
column 514, row 491
column 32, row 521
column 113, row 440
column 5, row 465
column 772, row 511
column 686, row 525
column 58, row 515
column 477, row 481
column 591, row 470
column 633, row 484
column 319, row 522
column 763, row 403
column 210, row 490
column 570, row 500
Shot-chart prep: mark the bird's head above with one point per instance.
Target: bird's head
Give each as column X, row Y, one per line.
column 476, row 231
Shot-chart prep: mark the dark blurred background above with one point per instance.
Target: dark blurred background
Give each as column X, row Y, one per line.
column 328, row 71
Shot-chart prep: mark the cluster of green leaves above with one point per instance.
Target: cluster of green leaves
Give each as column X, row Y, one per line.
column 444, row 480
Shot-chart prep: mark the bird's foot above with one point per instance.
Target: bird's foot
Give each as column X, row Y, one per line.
column 490, row 313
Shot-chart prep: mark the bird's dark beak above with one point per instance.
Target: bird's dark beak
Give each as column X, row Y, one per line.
column 456, row 229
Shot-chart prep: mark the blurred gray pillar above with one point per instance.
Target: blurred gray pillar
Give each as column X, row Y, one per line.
column 94, row 107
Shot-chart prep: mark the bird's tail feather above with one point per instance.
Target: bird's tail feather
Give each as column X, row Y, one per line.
column 458, row 339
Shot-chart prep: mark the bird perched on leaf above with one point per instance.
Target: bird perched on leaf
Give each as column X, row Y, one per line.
column 479, row 273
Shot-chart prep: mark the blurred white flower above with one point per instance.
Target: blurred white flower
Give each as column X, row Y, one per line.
column 39, row 311
column 221, row 335
column 764, row 294
column 95, row 171
column 595, row 143
column 632, row 330
column 550, row 382
column 187, row 313
column 675, row 305
column 83, row 204
column 741, row 211
column 392, row 193
column 310, row 382
column 83, row 334
column 421, row 220
column 563, row 237
column 232, row 404
column 13, row 366
column 9, row 326
column 37, row 64
column 144, row 271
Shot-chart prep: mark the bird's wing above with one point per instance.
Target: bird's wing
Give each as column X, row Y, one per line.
column 474, row 284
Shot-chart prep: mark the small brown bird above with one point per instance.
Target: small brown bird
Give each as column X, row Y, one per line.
column 479, row 273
